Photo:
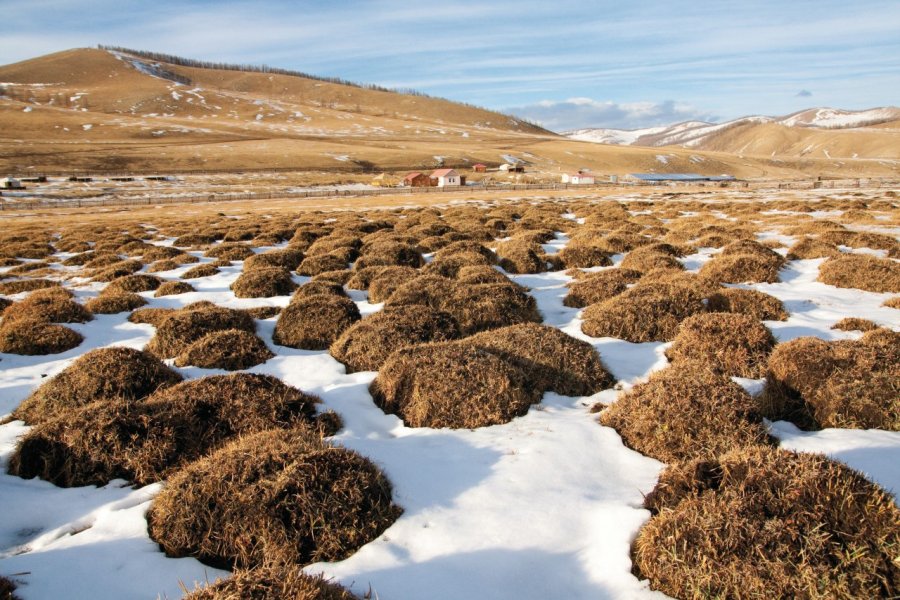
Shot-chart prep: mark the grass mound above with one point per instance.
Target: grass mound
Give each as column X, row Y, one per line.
column 365, row 345
column 263, row 282
column 314, row 322
column 204, row 270
column 855, row 324
column 18, row 286
column 647, row 258
column 322, row 263
column 32, row 337
column 862, row 272
column 812, row 248
column 759, row 305
column 277, row 496
column 893, row 302
column 114, row 372
column 147, row 442
column 684, row 412
column 131, row 284
column 489, row 306
column 47, row 308
column 321, row 286
column 428, row 290
column 186, row 326
column 386, row 281
column 550, row 359
column 389, row 253
column 231, row 349
column 451, row 385
column 229, row 251
column 270, row 583
column 583, row 254
column 767, row 523
column 742, row 268
column 262, row 312
column 151, row 316
column 118, row 269
column 287, row 258
column 647, row 312
column 597, row 287
column 844, row 384
column 476, row 274
column 521, row 255
column 108, row 304
column 734, row 344
column 173, row 288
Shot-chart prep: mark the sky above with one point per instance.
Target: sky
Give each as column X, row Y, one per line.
column 564, row 64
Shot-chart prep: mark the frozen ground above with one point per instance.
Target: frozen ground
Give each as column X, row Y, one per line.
column 543, row 507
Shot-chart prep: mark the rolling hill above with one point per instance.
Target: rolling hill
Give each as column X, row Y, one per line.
column 827, row 133
column 117, row 110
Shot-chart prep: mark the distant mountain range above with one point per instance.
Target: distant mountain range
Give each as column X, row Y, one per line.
column 780, row 135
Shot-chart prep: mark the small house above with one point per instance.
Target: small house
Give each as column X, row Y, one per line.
column 479, row 168
column 447, row 178
column 8, row 183
column 580, row 178
column 417, row 179
column 512, row 168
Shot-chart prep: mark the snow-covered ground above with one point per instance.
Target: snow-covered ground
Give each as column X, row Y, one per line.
column 545, row 506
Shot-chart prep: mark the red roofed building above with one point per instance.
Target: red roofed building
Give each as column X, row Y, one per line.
column 417, row 179
column 479, row 168
column 447, row 177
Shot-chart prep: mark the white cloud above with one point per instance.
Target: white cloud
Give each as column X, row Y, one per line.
column 578, row 113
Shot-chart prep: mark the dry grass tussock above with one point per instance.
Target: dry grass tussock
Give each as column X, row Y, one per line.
column 583, row 253
column 647, row 258
column 521, row 255
column 759, row 305
column 151, row 316
column 108, row 304
column 741, row 268
column 173, row 288
column 184, row 327
column 319, row 286
column 150, row 440
column 17, row 286
column 645, row 313
column 314, row 322
column 550, row 359
column 490, row 305
column 132, row 284
column 204, row 270
column 844, row 384
column 230, row 251
column 855, row 324
column 812, row 248
column 733, row 344
column 274, row 497
column 270, row 583
column 231, row 349
column 893, row 302
column 287, row 258
column 47, row 307
column 368, row 343
column 453, row 385
column 33, row 337
column 322, row 263
column 263, row 282
column 686, row 411
column 862, row 272
column 386, row 280
column 767, row 523
column 115, row 372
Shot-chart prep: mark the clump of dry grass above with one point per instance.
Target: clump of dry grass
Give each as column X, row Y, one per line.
column 262, row 312
column 862, row 272
column 162, row 265
column 315, row 322
column 47, row 308
column 734, row 344
column 104, row 373
column 451, row 385
column 893, row 302
column 118, row 269
column 321, row 286
column 107, row 304
column 365, row 345
column 489, row 306
column 278, row 496
column 151, row 316
column 340, row 276
column 521, row 255
column 741, row 268
column 204, row 270
column 146, row 442
column 647, row 258
column 762, row 522
column 131, row 284
column 32, row 337
column 686, row 411
column 477, row 274
column 230, row 251
column 189, row 240
column 844, row 384
column 428, row 290
column 26, row 285
column 99, row 260
column 584, row 253
column 186, row 326
column 647, row 312
column 759, row 305
column 269, row 583
column 230, row 349
column 286, row 258
column 322, row 263
column 550, row 359
column 263, row 282
column 172, row 288
column 388, row 253
column 387, row 280
column 812, row 248
column 855, row 324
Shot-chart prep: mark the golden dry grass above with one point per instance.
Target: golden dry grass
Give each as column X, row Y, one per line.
column 861, row 272
column 734, row 344
column 269, row 583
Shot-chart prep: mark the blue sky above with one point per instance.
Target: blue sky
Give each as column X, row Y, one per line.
column 566, row 64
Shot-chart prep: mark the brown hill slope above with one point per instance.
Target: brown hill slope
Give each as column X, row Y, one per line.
column 91, row 109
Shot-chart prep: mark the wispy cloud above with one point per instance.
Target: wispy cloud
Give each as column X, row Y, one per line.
column 804, row 94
